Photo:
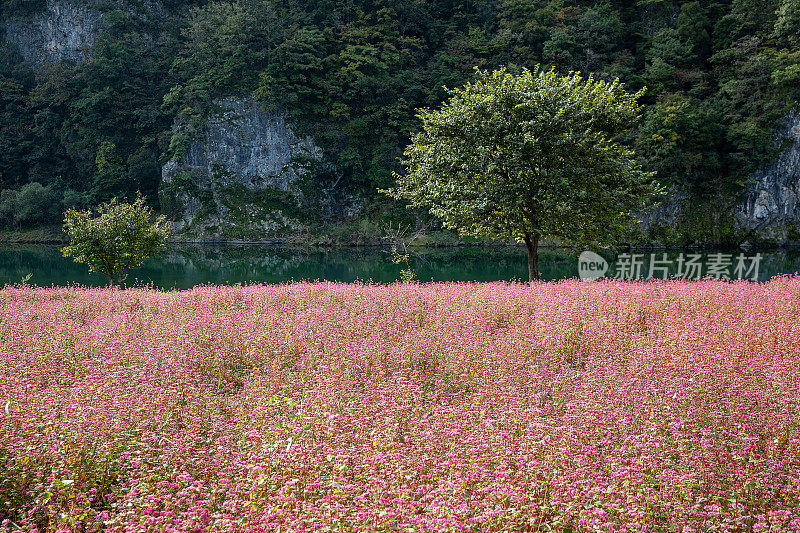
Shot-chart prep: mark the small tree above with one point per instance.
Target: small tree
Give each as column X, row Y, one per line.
column 120, row 238
column 529, row 156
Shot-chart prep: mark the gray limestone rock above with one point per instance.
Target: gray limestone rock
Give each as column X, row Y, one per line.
column 771, row 205
column 65, row 30
column 241, row 173
column 769, row 209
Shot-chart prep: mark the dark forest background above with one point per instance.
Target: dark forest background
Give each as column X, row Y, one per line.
column 351, row 73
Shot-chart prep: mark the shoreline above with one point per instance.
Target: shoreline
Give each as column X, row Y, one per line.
column 54, row 236
column 278, row 243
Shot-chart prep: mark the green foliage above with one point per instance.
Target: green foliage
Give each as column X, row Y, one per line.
column 787, row 25
column 684, row 141
column 350, row 74
column 110, row 175
column 408, row 274
column 529, row 156
column 185, row 182
column 75, row 200
column 95, row 127
column 21, row 7
column 32, row 204
column 792, row 233
column 120, row 238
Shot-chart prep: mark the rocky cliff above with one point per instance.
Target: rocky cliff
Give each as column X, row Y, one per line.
column 771, row 206
column 66, row 30
column 769, row 209
column 239, row 177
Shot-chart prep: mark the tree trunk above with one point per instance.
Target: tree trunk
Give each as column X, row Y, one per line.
column 532, row 244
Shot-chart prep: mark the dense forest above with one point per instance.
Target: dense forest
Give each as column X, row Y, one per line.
column 351, row 74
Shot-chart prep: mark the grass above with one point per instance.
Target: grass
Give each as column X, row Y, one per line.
column 611, row 406
column 45, row 234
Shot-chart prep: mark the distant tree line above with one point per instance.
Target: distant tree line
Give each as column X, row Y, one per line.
column 719, row 75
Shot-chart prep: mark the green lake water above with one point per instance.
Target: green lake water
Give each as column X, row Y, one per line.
column 185, row 266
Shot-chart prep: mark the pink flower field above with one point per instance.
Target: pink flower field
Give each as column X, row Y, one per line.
column 569, row 406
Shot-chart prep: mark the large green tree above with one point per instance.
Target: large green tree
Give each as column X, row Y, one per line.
column 529, row 155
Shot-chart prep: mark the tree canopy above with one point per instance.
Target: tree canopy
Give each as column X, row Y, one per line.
column 529, row 155
column 121, row 237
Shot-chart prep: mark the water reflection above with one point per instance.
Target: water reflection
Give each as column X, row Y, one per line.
column 186, row 266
